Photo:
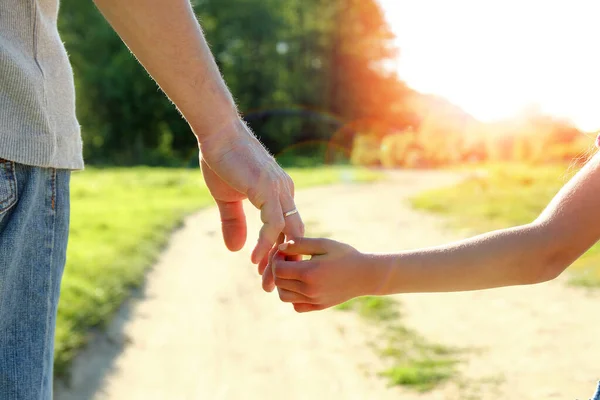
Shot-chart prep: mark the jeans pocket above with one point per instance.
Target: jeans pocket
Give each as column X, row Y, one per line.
column 8, row 185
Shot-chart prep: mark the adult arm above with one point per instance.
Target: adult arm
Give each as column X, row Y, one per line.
column 167, row 40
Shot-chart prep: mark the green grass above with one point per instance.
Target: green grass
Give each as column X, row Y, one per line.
column 372, row 308
column 121, row 219
column 412, row 361
column 509, row 195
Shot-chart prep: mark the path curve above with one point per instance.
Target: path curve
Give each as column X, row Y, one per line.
column 202, row 329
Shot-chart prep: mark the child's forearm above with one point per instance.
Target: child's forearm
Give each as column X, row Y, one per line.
column 528, row 254
column 337, row 272
column 517, row 256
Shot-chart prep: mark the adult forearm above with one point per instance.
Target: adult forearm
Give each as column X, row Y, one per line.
column 168, row 41
column 516, row 256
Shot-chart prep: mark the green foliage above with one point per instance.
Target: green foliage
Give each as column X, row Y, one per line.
column 423, row 374
column 509, row 195
column 298, row 69
column 373, row 308
column 302, row 71
column 312, row 154
column 125, row 118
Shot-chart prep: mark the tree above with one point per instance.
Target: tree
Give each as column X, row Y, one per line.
column 298, row 69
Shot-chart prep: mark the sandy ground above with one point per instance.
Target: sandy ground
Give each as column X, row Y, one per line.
column 202, row 328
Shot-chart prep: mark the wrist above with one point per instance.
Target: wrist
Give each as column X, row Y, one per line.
column 380, row 273
column 214, row 123
column 222, row 138
column 230, row 138
column 212, row 109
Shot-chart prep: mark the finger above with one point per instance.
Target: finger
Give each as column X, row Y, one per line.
column 268, row 282
column 233, row 220
column 273, row 224
column 295, row 270
column 294, row 227
column 262, row 265
column 293, row 258
column 233, row 224
column 269, row 278
column 266, row 261
column 291, row 297
column 305, row 246
column 291, row 285
column 305, row 307
column 275, row 250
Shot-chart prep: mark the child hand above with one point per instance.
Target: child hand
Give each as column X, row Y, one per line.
column 336, row 273
column 266, row 270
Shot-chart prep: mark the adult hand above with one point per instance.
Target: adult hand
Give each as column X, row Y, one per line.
column 236, row 166
column 167, row 39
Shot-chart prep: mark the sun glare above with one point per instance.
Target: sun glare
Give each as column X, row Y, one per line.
column 495, row 57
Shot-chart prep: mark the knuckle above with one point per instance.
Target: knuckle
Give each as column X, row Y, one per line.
column 289, row 183
column 254, row 196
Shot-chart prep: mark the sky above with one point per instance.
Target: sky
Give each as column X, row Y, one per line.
column 493, row 58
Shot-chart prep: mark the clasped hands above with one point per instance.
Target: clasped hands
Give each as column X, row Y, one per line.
column 236, row 167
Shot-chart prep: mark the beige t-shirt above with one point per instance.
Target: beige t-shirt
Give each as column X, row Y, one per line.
column 38, row 125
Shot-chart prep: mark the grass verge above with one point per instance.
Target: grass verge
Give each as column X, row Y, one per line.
column 120, row 221
column 509, row 195
column 412, row 361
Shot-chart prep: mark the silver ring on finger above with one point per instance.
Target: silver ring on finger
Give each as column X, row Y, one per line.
column 292, row 212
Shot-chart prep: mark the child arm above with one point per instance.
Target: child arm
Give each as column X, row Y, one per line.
column 527, row 254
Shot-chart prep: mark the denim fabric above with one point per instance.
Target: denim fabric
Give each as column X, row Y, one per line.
column 596, row 396
column 34, row 226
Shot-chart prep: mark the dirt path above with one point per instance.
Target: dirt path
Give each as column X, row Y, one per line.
column 202, row 328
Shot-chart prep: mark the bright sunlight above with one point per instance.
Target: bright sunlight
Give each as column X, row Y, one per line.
column 495, row 58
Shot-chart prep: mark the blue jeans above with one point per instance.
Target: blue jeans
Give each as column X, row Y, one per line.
column 596, row 396
column 34, row 227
